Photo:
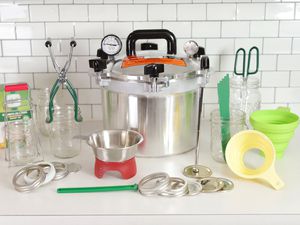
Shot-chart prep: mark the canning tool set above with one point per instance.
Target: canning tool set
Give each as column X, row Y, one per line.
column 151, row 107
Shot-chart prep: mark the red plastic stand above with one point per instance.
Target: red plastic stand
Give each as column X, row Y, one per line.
column 127, row 168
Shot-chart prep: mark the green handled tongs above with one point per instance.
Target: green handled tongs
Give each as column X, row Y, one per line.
column 62, row 80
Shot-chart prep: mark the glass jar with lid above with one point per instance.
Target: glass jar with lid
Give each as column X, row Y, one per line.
column 245, row 96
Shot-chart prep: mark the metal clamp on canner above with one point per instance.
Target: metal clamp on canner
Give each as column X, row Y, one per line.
column 157, row 94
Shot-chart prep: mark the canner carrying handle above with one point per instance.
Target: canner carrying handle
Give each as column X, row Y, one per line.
column 151, row 34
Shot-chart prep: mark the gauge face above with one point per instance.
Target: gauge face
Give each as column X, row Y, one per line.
column 190, row 48
column 111, row 44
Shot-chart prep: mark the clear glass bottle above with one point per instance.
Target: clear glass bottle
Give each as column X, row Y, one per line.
column 245, row 96
column 65, row 133
column 225, row 128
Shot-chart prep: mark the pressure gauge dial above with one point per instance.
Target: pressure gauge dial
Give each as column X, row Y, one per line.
column 190, row 48
column 111, row 44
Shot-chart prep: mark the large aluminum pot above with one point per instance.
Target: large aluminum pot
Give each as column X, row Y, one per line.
column 164, row 108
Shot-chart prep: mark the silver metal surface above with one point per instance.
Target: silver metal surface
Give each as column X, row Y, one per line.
column 177, row 187
column 73, row 167
column 115, row 145
column 228, row 184
column 61, row 170
column 48, row 169
column 211, row 184
column 37, row 182
column 154, row 184
column 197, row 171
column 194, row 188
column 167, row 121
column 190, row 48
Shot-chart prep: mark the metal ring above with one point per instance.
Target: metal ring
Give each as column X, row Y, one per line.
column 50, row 174
column 162, row 182
column 61, row 170
column 32, row 186
column 177, row 187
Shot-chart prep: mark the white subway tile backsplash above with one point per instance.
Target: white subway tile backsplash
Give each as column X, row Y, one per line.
column 73, row 12
column 277, row 45
column 288, row 62
column 61, row 60
column 43, row 12
column 250, row 11
column 289, row 29
column 221, row 11
column 162, row 12
column 86, row 112
column 221, row 26
column 288, row 95
column 16, row 48
column 206, row 29
column 121, row 29
column 14, row 13
column 235, row 29
column 44, row 80
column 295, row 79
column 275, row 79
column 264, row 29
column 281, row 11
column 89, row 96
column 60, row 30
column 82, row 64
column 180, row 29
column 132, row 12
column 7, row 31
column 267, row 95
column 295, row 108
column 88, row 30
column 32, row 64
column 2, row 80
column 30, row 30
column 297, row 15
column 147, row 25
column 8, row 65
column 191, row 12
column 20, row 77
column 248, row 43
column 103, row 12
column 220, row 46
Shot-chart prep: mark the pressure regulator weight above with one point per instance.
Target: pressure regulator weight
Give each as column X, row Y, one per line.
column 111, row 44
column 190, row 48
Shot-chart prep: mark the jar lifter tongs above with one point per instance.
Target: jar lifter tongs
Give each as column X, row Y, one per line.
column 62, row 80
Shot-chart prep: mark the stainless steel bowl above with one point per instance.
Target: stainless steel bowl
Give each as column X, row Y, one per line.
column 115, row 145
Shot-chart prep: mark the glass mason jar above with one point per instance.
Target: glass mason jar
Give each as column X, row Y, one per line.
column 245, row 96
column 23, row 143
column 65, row 133
column 223, row 130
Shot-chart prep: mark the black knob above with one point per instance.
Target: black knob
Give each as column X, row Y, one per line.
column 97, row 64
column 149, row 46
column 204, row 63
column 73, row 43
column 201, row 51
column 153, row 70
column 101, row 54
column 48, row 44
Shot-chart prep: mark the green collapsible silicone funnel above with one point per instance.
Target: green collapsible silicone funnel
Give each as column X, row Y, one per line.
column 279, row 125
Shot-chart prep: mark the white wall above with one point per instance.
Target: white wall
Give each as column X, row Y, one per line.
column 222, row 26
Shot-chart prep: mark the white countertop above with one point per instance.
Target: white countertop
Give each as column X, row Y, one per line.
column 249, row 202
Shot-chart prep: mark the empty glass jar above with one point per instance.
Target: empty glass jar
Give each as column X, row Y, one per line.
column 245, row 96
column 223, row 130
column 23, row 143
column 65, row 133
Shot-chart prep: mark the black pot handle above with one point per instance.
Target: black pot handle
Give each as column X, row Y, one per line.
column 151, row 34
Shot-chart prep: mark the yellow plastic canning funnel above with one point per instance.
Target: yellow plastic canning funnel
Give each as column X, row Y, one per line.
column 248, row 140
